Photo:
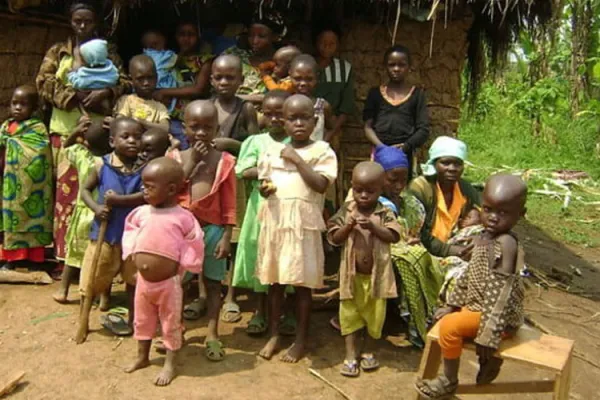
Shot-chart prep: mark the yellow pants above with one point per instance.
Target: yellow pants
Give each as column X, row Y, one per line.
column 363, row 310
column 109, row 265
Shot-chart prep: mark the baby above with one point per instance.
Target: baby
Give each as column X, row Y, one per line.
column 276, row 74
column 163, row 239
column 365, row 228
column 92, row 69
column 155, row 47
column 487, row 302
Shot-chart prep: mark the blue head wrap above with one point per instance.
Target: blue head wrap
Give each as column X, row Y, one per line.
column 390, row 157
column 444, row 146
column 94, row 52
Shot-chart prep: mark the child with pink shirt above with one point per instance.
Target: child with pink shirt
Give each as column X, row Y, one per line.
column 163, row 240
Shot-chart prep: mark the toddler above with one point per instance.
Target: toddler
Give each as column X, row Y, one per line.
column 294, row 178
column 487, row 302
column 162, row 239
column 119, row 185
column 155, row 143
column 365, row 228
column 276, row 75
column 155, row 47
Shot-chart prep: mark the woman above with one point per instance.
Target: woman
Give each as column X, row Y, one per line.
column 193, row 78
column 67, row 106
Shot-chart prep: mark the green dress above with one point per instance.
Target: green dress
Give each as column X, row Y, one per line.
column 245, row 258
column 27, row 198
column 78, row 231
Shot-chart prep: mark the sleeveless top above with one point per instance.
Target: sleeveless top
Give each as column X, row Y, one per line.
column 319, row 131
column 111, row 178
column 232, row 127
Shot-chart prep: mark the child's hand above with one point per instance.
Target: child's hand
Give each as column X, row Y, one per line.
column 441, row 312
column 351, row 221
column 102, row 212
column 399, row 146
column 199, row 151
column 288, row 153
column 106, row 122
column 365, row 223
column 267, row 188
column 109, row 198
column 484, row 353
column 223, row 249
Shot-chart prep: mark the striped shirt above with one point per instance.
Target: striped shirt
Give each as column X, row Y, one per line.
column 336, row 85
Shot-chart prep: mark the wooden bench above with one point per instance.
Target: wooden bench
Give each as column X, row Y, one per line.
column 528, row 347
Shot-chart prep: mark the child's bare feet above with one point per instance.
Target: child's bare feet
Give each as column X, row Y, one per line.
column 60, row 296
column 270, row 348
column 167, row 374
column 294, row 353
column 140, row 363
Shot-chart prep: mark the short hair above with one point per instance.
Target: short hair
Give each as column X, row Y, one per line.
column 121, row 120
column 326, row 28
column 277, row 94
column 97, row 137
column 82, row 5
column 305, row 59
column 31, row 93
column 397, row 49
column 141, row 59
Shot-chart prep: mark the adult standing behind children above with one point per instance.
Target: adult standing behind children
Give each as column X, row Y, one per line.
column 65, row 101
column 192, row 72
column 395, row 114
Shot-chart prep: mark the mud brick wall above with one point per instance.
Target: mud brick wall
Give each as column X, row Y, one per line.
column 363, row 45
column 22, row 48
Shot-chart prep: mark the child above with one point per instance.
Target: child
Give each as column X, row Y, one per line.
column 246, row 168
column 472, row 218
column 92, row 69
column 365, row 228
column 237, row 118
column 277, row 76
column 140, row 106
column 89, row 140
column 155, row 47
column 119, row 186
column 395, row 114
column 294, row 178
column 155, row 143
column 211, row 198
column 487, row 303
column 163, row 239
column 304, row 73
column 27, row 198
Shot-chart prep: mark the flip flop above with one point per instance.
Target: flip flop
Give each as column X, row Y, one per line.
column 257, row 325
column 231, row 313
column 287, row 327
column 368, row 362
column 489, row 371
column 350, row 369
column 116, row 324
column 195, row 310
column 214, row 350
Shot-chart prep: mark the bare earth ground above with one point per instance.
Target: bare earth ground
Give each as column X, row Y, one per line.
column 35, row 336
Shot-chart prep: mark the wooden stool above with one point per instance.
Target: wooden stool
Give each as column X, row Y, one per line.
column 528, row 347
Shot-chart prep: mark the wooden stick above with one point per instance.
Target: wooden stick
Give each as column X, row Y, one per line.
column 330, row 384
column 12, row 383
column 88, row 297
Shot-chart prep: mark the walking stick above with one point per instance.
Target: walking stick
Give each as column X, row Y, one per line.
column 88, row 298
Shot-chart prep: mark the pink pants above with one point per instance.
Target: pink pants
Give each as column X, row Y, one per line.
column 156, row 301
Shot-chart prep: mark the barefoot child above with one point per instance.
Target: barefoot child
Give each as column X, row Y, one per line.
column 294, row 178
column 237, row 117
column 211, row 198
column 365, row 228
column 90, row 140
column 27, row 198
column 246, row 168
column 487, row 303
column 163, row 240
column 278, row 77
column 119, row 187
column 140, row 106
column 395, row 114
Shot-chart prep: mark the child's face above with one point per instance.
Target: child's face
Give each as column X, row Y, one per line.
column 157, row 189
column 327, row 44
column 449, row 169
column 397, row 66
column 304, row 79
column 471, row 219
column 395, row 182
column 260, row 39
column 300, row 121
column 282, row 66
column 500, row 215
column 187, row 38
column 226, row 79
column 21, row 105
column 273, row 111
column 127, row 139
column 143, row 78
column 201, row 128
column 150, row 148
column 154, row 41
column 83, row 23
column 366, row 192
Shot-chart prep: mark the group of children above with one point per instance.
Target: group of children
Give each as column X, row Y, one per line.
column 157, row 213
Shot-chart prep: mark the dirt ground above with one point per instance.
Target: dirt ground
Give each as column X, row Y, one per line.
column 36, row 337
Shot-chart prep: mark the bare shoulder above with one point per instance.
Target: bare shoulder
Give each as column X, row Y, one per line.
column 248, row 108
column 509, row 248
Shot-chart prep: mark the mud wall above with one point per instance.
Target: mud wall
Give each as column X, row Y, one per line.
column 23, row 44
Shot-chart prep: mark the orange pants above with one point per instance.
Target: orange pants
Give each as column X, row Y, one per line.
column 454, row 328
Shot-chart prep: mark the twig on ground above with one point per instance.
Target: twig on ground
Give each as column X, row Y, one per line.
column 11, row 384
column 119, row 342
column 330, row 384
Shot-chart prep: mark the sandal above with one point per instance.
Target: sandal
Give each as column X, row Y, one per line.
column 195, row 310
column 368, row 362
column 257, row 325
column 116, row 324
column 350, row 369
column 334, row 322
column 489, row 371
column 287, row 327
column 231, row 313
column 214, row 350
column 439, row 388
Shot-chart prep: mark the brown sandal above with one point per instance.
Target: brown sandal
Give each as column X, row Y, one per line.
column 439, row 388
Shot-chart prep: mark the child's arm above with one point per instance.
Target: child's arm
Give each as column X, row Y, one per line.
column 339, row 230
column 329, row 122
column 270, row 82
column 247, row 161
column 421, row 132
column 370, row 134
column 251, row 119
column 229, row 145
column 313, row 179
column 82, row 126
column 228, row 208
column 370, row 113
column 385, row 233
column 101, row 211
column 123, row 200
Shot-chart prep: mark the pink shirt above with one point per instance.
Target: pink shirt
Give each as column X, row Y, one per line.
column 172, row 233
